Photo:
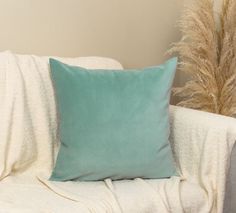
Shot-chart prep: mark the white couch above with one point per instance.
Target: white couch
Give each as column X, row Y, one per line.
column 202, row 144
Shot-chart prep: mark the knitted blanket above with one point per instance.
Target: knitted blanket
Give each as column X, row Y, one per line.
column 201, row 142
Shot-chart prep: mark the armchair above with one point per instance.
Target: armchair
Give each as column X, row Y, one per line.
column 202, row 144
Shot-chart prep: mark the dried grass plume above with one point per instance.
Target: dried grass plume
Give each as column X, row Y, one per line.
column 207, row 53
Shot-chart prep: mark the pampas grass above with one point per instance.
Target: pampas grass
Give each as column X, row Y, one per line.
column 207, row 53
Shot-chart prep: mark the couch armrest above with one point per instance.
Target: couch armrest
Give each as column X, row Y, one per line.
column 202, row 143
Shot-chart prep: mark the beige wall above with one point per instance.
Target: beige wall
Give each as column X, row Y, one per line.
column 135, row 32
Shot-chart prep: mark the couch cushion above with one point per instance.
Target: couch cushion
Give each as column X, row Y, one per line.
column 126, row 196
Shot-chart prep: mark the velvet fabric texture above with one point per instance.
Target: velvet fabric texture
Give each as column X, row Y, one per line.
column 113, row 123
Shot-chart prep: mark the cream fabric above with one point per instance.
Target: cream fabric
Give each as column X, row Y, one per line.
column 202, row 143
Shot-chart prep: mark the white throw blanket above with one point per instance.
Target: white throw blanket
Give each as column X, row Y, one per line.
column 202, row 143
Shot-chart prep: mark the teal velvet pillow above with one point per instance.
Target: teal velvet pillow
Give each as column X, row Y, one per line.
column 113, row 124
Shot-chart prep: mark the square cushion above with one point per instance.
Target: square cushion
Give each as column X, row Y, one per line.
column 113, row 124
